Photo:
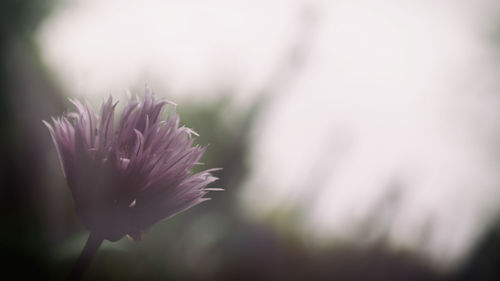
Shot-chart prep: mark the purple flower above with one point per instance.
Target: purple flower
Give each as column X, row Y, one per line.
column 127, row 177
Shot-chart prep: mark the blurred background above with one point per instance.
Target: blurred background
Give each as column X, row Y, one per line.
column 360, row 140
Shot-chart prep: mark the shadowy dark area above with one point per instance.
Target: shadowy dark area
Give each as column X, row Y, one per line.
column 484, row 262
column 41, row 236
column 26, row 95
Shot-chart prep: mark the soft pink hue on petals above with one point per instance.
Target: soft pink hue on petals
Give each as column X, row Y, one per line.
column 127, row 177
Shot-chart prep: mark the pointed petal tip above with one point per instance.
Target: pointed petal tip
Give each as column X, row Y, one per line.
column 191, row 132
column 213, row 170
column 138, row 133
column 171, row 102
column 214, row 189
column 47, row 124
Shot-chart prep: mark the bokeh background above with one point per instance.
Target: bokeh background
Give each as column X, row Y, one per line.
column 359, row 139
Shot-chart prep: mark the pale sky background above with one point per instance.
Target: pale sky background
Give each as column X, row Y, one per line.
column 392, row 92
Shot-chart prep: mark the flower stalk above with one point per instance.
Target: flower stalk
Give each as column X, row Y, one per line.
column 86, row 256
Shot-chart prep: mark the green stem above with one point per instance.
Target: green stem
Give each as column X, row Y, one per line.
column 85, row 258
